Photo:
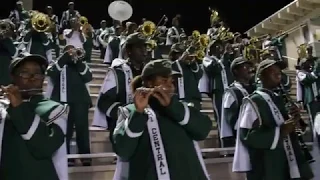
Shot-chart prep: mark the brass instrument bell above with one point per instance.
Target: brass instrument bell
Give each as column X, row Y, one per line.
column 302, row 51
column 83, row 20
column 148, row 28
column 41, row 22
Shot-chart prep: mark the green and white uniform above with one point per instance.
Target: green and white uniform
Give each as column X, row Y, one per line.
column 7, row 52
column 261, row 150
column 220, row 77
column 148, row 142
column 67, row 83
column 32, row 137
column 37, row 43
column 187, row 85
column 232, row 101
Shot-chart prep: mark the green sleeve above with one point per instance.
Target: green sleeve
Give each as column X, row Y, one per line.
column 27, row 37
column 54, row 69
column 108, row 103
column 261, row 137
column 231, row 114
column 307, row 78
column 129, row 129
column 45, row 41
column 9, row 46
column 41, row 140
column 197, row 70
column 192, row 120
column 84, row 71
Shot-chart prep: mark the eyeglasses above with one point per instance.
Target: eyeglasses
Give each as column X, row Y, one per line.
column 27, row 75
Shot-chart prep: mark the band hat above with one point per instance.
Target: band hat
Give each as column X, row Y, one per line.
column 136, row 38
column 238, row 61
column 19, row 3
column 70, row 3
column 43, row 63
column 158, row 67
column 265, row 64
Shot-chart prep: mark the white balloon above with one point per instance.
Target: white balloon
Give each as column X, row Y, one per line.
column 120, row 10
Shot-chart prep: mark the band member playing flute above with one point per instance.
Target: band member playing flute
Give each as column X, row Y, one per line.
column 156, row 134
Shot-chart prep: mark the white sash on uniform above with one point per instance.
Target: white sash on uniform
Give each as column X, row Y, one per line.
column 228, row 99
column 158, row 151
column 241, row 161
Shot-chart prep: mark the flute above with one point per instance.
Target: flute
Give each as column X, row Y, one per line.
column 38, row 90
column 146, row 90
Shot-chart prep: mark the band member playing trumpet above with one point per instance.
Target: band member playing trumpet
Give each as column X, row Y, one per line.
column 74, row 36
column 157, row 134
column 33, row 128
column 267, row 146
column 69, row 76
column 35, row 40
column 7, row 50
column 217, row 68
column 243, row 86
column 67, row 16
column 176, row 33
column 187, row 84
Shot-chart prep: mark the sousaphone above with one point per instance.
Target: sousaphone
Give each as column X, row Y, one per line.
column 120, row 10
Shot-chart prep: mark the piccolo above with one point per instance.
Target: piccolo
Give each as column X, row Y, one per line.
column 23, row 91
column 147, row 90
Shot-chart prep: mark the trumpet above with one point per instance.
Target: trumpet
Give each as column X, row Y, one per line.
column 77, row 54
column 83, row 20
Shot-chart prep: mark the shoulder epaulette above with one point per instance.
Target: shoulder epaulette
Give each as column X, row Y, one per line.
column 59, row 111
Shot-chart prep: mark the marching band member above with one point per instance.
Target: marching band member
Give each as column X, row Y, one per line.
column 87, row 30
column 37, row 42
column 217, row 67
column 308, row 77
column 104, row 35
column 175, row 34
column 176, row 51
column 267, row 146
column 54, row 30
column 116, row 90
column 241, row 68
column 103, row 27
column 18, row 15
column 68, row 15
column 114, row 46
column 74, row 36
column 156, row 134
column 69, row 76
column 7, row 51
column 32, row 127
column 187, row 85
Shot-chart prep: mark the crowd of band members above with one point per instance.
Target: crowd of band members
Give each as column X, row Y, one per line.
column 239, row 88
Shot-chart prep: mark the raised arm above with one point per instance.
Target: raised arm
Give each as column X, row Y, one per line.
column 54, row 69
column 130, row 127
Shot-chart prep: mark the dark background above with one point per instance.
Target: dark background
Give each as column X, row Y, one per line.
column 240, row 15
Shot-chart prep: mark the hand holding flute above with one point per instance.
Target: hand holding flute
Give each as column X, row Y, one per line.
column 13, row 94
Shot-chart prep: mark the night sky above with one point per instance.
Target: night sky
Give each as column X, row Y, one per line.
column 239, row 15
